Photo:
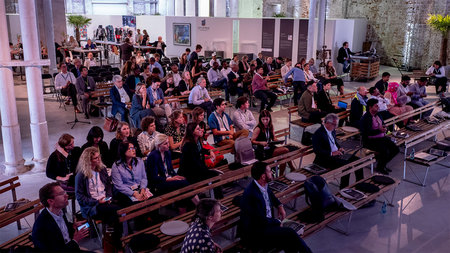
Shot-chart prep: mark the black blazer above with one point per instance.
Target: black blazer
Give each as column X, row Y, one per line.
column 155, row 167
column 356, row 112
column 321, row 145
column 47, row 236
column 253, row 210
column 192, row 166
column 342, row 54
column 232, row 86
column 324, row 101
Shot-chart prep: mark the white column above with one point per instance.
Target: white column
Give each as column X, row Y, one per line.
column 50, row 35
column 31, row 50
column 179, row 8
column 321, row 26
column 311, row 21
column 234, row 8
column 220, row 8
column 12, row 146
column 297, row 9
column 190, row 8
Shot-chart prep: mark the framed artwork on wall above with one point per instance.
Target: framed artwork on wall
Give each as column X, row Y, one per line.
column 182, row 34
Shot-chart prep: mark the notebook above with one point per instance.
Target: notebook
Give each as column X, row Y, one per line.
column 342, row 104
column 278, row 186
column 316, row 169
column 425, row 156
column 437, row 152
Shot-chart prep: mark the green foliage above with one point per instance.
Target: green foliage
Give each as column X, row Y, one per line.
column 439, row 23
column 279, row 15
column 78, row 21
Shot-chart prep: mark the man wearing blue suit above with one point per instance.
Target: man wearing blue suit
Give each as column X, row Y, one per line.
column 260, row 229
column 51, row 231
column 120, row 95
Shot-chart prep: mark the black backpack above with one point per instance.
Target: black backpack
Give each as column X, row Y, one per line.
column 319, row 197
column 445, row 104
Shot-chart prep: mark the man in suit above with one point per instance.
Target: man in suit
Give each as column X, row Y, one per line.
column 260, row 229
column 76, row 69
column 126, row 50
column 344, row 57
column 235, row 84
column 307, row 107
column 324, row 102
column 85, row 85
column 120, row 95
column 328, row 150
column 51, row 231
column 358, row 106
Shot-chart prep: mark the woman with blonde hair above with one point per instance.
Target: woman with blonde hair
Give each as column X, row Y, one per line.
column 94, row 190
column 185, row 86
column 123, row 133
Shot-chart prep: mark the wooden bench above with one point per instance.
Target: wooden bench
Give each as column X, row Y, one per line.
column 21, row 240
column 344, row 97
column 10, row 185
column 9, row 217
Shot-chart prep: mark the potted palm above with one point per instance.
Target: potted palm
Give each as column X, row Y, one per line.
column 78, row 21
column 441, row 24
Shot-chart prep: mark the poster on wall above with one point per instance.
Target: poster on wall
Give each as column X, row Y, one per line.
column 129, row 21
column 286, row 36
column 182, row 34
column 268, row 33
column 83, row 33
column 302, row 39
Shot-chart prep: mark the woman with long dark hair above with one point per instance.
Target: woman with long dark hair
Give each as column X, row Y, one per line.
column 331, row 77
column 262, row 137
column 192, row 163
column 176, row 130
column 95, row 139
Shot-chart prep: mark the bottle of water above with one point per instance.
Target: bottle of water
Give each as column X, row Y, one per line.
column 383, row 207
column 411, row 155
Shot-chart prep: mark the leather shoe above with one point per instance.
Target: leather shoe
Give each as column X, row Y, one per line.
column 383, row 171
column 67, row 102
column 86, row 116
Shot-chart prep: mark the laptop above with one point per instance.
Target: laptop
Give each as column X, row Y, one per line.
column 348, row 156
column 437, row 152
column 275, row 142
column 342, row 104
column 316, row 169
column 414, row 128
column 277, row 186
column 297, row 227
column 425, row 156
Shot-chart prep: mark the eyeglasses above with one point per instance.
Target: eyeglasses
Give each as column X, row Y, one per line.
column 131, row 148
column 60, row 194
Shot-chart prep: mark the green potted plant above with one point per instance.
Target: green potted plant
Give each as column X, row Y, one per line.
column 441, row 24
column 78, row 21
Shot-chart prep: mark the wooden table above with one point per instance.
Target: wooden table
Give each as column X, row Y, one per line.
column 365, row 67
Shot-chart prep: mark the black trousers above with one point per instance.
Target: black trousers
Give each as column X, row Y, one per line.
column 264, row 95
column 315, row 117
column 441, row 84
column 71, row 91
column 336, row 81
column 385, row 148
column 299, row 88
column 107, row 213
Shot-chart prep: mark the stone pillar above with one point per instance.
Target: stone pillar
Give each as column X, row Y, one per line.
column 12, row 146
column 190, row 8
column 179, row 8
column 311, row 23
column 297, row 9
column 321, row 26
column 234, row 8
column 31, row 50
column 220, row 8
column 50, row 35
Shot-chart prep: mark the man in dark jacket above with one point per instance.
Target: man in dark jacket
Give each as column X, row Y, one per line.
column 260, row 229
column 382, row 84
column 358, row 107
column 85, row 85
column 344, row 57
column 120, row 96
column 51, row 231
column 328, row 151
column 235, row 84
column 126, row 50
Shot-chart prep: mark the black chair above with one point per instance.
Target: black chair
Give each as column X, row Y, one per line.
column 105, row 73
column 94, row 67
column 106, row 67
column 165, row 61
column 92, row 72
column 108, row 77
column 54, row 74
column 50, row 86
column 98, row 79
column 175, row 60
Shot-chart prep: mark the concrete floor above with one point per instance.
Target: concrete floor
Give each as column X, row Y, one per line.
column 418, row 222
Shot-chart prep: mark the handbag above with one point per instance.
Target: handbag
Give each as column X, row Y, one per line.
column 110, row 124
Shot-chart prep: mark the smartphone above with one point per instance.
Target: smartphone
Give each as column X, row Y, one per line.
column 85, row 225
column 108, row 198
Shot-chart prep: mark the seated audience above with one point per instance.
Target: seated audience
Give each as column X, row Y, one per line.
column 358, row 106
column 309, row 75
column 176, row 74
column 198, row 115
column 298, row 81
column 139, row 58
column 90, row 61
column 214, row 59
column 127, row 69
column 147, row 73
column 324, row 102
column 438, row 78
column 184, row 61
column 244, row 66
column 225, row 69
column 197, row 71
column 268, row 67
column 129, row 177
column 382, row 85
column 123, row 133
column 419, row 92
column 218, row 159
column 248, row 78
column 403, row 90
column 397, row 104
column 146, row 139
column 222, row 126
column 286, row 68
column 277, row 64
column 133, row 79
column 156, row 100
column 85, row 85
column 383, row 103
column 331, row 76
column 307, row 107
column 243, row 117
column 76, row 71
column 90, row 45
column 198, row 238
column 261, row 91
column 262, row 138
column 168, row 86
column 93, row 188
column 235, row 84
column 328, row 151
column 72, row 43
column 140, row 105
column 259, row 60
column 234, row 60
column 65, row 82
column 153, row 64
column 120, row 97
column 160, row 173
column 199, row 97
column 261, row 230
column 374, row 137
column 312, row 67
column 216, row 79
column 95, row 139
column 51, row 230
column 192, row 164
column 62, row 163
column 175, row 130
column 185, row 86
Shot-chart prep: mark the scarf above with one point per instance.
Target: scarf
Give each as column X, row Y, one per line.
column 61, row 150
column 361, row 99
column 392, row 88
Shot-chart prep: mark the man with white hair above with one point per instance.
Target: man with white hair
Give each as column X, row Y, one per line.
column 121, row 98
column 160, row 46
column 85, row 85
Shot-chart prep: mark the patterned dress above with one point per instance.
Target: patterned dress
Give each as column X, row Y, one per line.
column 198, row 239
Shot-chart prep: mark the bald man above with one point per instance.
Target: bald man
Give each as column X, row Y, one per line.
column 358, row 107
column 267, row 66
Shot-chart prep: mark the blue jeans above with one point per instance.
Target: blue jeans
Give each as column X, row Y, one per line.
column 122, row 110
column 222, row 83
